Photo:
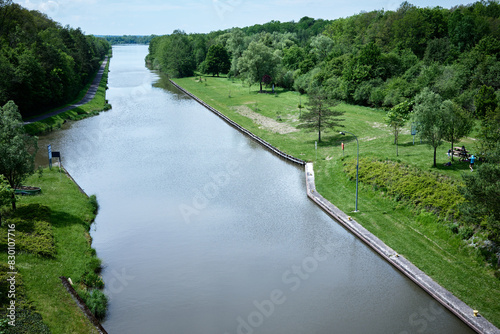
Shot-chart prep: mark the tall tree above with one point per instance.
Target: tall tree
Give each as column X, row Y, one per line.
column 319, row 115
column 17, row 149
column 176, row 56
column 257, row 61
column 396, row 118
column 430, row 118
column 485, row 101
column 458, row 123
column 217, row 60
column 482, row 198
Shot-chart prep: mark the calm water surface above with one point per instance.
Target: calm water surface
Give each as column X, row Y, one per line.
column 202, row 231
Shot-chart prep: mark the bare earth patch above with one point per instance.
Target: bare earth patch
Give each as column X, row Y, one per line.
column 265, row 122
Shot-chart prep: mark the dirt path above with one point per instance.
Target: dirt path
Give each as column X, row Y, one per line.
column 265, row 122
column 87, row 98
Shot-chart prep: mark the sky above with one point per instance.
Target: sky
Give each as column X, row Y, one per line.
column 160, row 17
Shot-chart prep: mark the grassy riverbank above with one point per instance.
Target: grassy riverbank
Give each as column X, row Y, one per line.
column 419, row 236
column 92, row 108
column 69, row 215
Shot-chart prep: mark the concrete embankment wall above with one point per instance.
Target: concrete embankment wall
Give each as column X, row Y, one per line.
column 79, row 301
column 440, row 294
column 242, row 129
column 443, row 296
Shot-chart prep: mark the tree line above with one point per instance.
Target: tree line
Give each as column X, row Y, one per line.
column 128, row 39
column 42, row 64
column 379, row 59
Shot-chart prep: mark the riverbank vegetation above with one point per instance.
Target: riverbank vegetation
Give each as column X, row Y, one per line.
column 52, row 240
column 42, row 64
column 405, row 201
column 431, row 72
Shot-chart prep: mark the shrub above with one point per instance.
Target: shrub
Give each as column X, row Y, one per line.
column 35, row 237
column 93, row 280
column 430, row 191
column 93, row 202
column 96, row 301
column 28, row 321
column 39, row 241
column 465, row 232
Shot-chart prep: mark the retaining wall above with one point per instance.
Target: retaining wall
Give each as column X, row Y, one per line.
column 79, row 301
column 443, row 296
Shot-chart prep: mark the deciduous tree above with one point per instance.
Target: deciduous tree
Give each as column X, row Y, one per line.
column 430, row 118
column 17, row 149
column 396, row 118
column 482, row 198
column 257, row 61
column 217, row 60
column 458, row 123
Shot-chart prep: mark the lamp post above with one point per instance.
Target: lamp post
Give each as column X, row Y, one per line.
column 357, row 167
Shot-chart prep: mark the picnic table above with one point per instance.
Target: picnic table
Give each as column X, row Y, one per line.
column 463, row 155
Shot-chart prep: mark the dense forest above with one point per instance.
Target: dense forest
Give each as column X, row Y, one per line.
column 379, row 58
column 43, row 65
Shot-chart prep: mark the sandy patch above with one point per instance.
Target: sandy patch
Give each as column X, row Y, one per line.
column 265, row 122
column 377, row 125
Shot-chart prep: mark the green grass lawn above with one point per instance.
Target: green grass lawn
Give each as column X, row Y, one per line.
column 71, row 216
column 419, row 236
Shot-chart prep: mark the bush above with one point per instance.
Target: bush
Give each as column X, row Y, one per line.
column 465, row 232
column 429, row 191
column 93, row 202
column 35, row 237
column 93, row 280
column 96, row 301
column 28, row 321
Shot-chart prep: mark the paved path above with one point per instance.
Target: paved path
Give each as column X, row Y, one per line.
column 87, row 98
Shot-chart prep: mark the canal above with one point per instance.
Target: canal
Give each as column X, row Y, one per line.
column 201, row 230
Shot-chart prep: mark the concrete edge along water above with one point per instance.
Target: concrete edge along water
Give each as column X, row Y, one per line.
column 436, row 291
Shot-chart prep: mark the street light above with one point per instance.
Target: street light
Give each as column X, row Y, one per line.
column 357, row 168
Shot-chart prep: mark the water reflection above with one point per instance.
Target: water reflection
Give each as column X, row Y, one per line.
column 202, row 231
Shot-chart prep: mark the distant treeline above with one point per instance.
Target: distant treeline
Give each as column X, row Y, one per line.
column 128, row 39
column 379, row 58
column 42, row 64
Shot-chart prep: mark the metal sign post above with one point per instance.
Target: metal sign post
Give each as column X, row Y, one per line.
column 49, row 148
column 413, row 131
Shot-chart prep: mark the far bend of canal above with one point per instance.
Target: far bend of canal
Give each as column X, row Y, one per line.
column 201, row 230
